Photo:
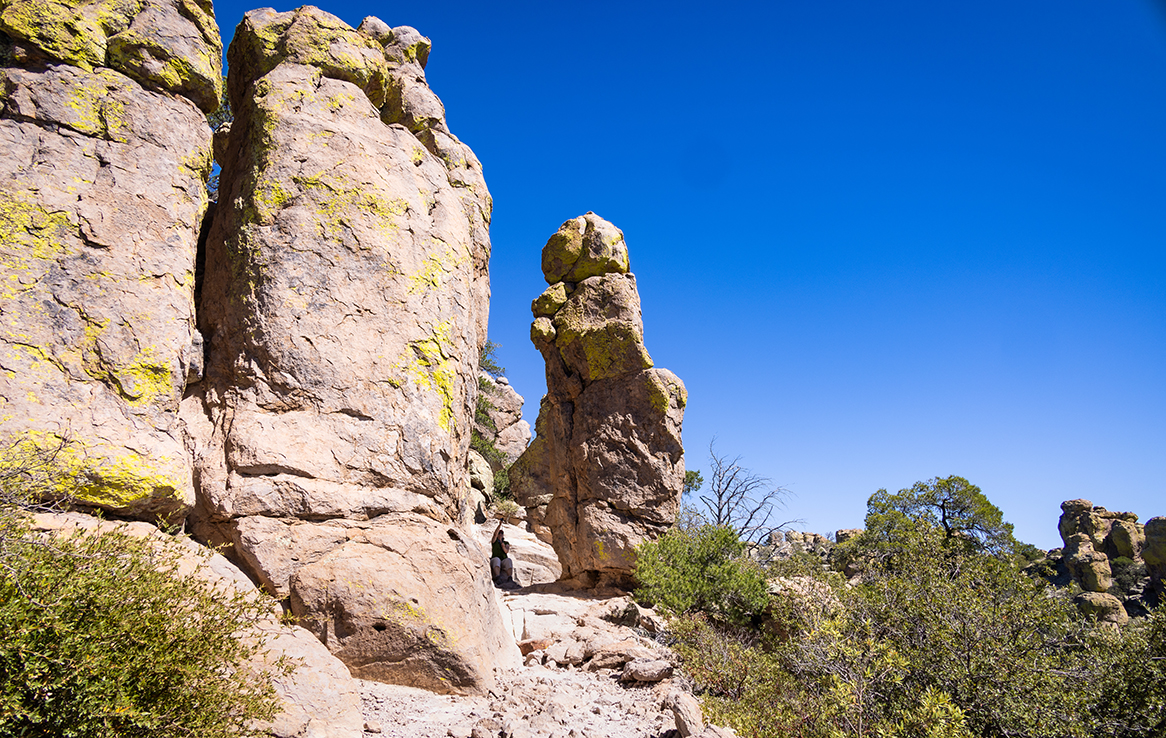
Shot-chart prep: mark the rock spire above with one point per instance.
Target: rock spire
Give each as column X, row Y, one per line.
column 344, row 305
column 104, row 156
column 606, row 468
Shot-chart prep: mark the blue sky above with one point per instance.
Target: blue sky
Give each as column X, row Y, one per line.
column 880, row 242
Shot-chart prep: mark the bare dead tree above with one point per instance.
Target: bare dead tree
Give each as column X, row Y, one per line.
column 742, row 500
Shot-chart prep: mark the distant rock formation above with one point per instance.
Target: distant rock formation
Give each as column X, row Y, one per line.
column 1113, row 558
column 606, row 468
column 345, row 304
column 507, row 431
column 104, row 156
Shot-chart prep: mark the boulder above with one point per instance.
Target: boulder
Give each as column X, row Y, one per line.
column 844, row 535
column 686, row 710
column 104, row 156
column 169, row 46
column 606, row 468
column 481, row 475
column 1089, row 568
column 1105, row 608
column 407, row 601
column 646, row 670
column 1080, row 516
column 1126, row 539
column 506, row 429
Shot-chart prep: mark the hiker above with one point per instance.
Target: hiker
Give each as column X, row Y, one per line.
column 500, row 560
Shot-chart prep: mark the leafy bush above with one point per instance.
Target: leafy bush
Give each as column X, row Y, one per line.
column 100, row 635
column 942, row 636
column 700, row 567
column 1127, row 574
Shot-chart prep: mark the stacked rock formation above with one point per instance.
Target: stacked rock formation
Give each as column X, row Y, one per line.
column 606, row 468
column 104, row 156
column 344, row 305
column 1100, row 544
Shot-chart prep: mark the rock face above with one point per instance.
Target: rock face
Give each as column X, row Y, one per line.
column 345, row 289
column 1154, row 553
column 607, row 466
column 399, row 604
column 345, row 303
column 104, row 155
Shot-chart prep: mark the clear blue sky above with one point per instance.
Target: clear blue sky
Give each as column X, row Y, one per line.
column 880, row 242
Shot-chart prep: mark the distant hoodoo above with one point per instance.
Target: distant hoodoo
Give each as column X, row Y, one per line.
column 606, row 468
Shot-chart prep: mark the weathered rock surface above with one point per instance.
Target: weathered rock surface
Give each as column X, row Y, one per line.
column 344, row 287
column 606, row 468
column 104, row 155
column 344, row 303
column 408, row 601
column 1104, row 607
column 1089, row 567
column 1154, row 554
column 319, row 698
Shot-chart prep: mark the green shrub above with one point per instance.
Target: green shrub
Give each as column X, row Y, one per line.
column 100, row 635
column 699, row 567
column 1127, row 574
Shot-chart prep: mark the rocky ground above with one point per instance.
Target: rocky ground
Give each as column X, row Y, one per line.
column 593, row 669
column 532, row 701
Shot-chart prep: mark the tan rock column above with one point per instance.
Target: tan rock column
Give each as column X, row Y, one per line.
column 104, row 155
column 345, row 306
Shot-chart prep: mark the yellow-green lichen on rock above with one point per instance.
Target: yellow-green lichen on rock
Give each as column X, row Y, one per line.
column 61, row 29
column 598, row 329
column 312, row 37
column 587, row 246
column 168, row 46
column 97, row 475
column 428, row 363
column 549, row 302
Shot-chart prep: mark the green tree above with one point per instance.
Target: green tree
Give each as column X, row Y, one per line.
column 692, row 482
column 951, row 504
column 484, row 424
column 100, row 635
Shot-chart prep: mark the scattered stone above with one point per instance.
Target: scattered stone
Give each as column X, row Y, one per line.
column 687, row 713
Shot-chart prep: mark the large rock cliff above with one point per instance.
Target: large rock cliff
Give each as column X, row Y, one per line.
column 606, row 468
column 104, row 155
column 344, row 305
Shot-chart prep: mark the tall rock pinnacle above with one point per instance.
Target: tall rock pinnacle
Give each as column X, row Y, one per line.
column 344, row 306
column 607, row 466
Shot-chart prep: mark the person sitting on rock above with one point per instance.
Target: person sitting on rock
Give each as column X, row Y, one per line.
column 501, row 565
